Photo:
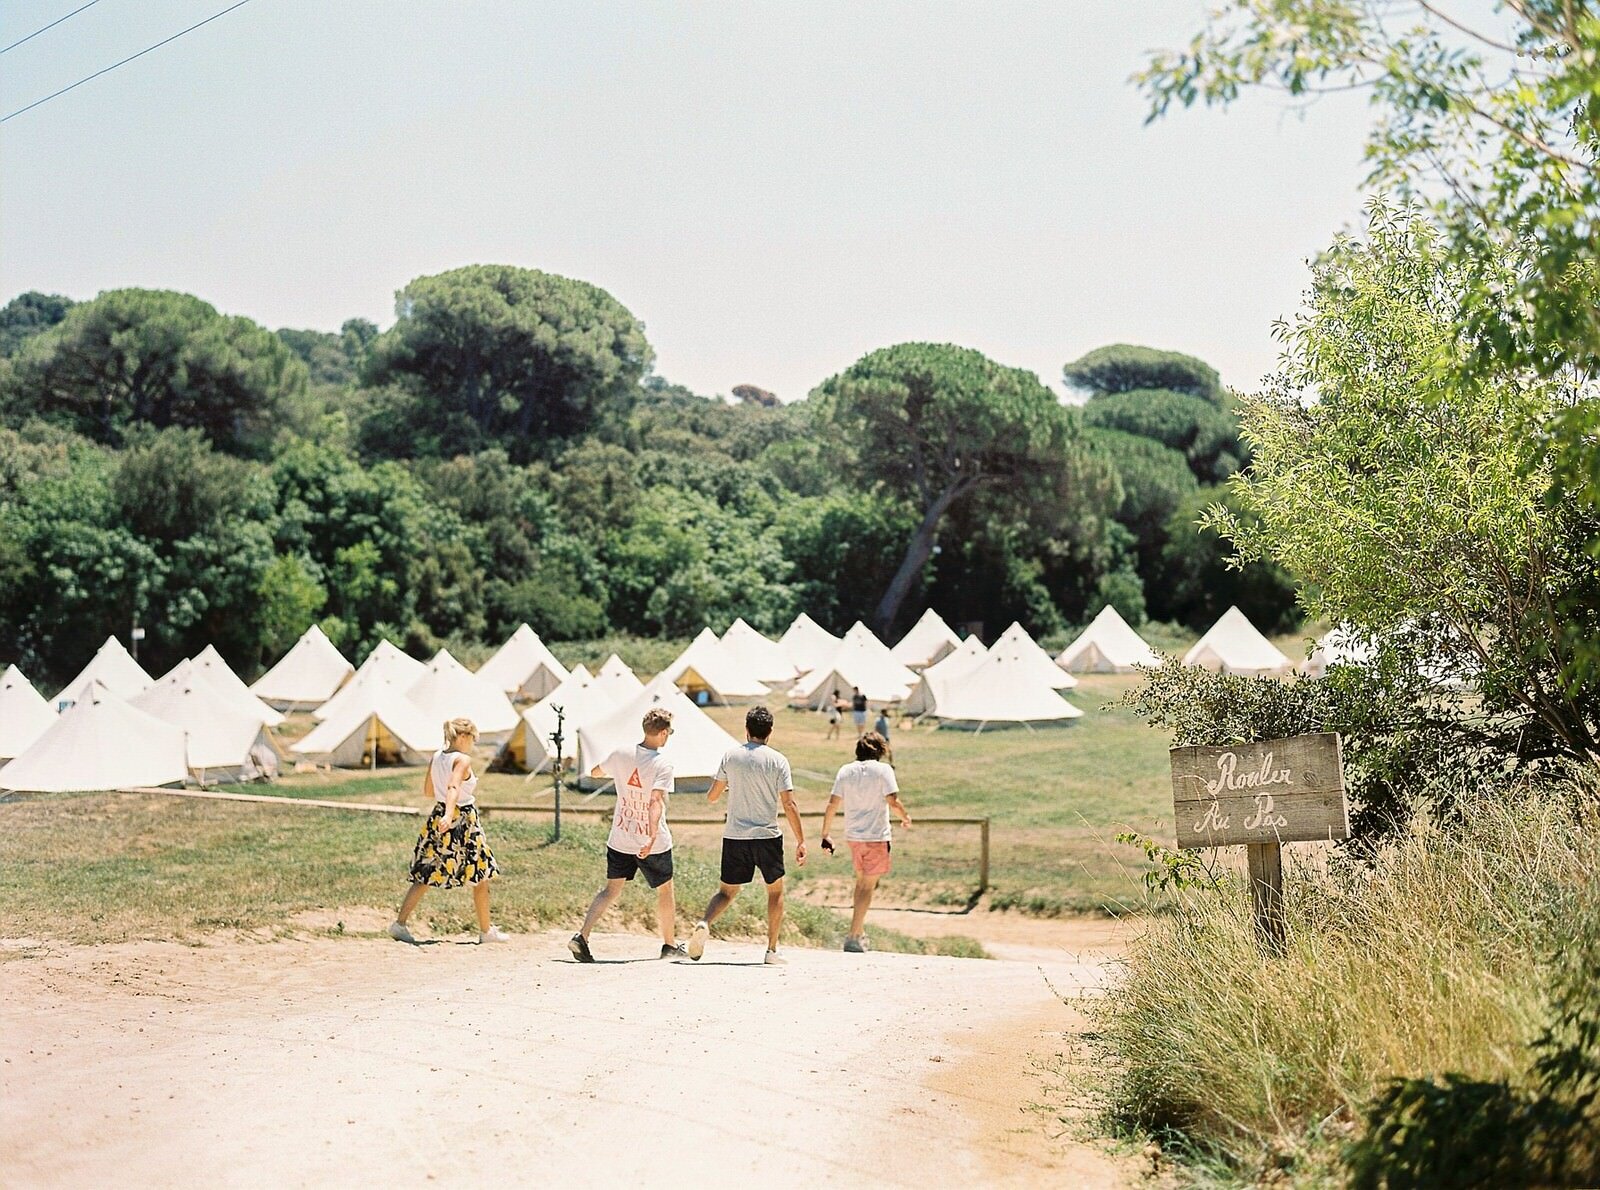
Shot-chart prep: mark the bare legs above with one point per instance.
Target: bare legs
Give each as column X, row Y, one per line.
column 865, row 886
column 480, row 905
column 724, row 895
column 409, row 905
column 666, row 909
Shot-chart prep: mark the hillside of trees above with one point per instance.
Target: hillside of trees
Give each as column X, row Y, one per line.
column 505, row 452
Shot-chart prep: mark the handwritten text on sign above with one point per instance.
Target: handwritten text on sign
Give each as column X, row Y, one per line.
column 1276, row 791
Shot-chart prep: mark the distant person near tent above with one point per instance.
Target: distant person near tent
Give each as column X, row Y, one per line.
column 867, row 791
column 451, row 850
column 858, row 710
column 756, row 779
column 835, row 715
column 640, row 839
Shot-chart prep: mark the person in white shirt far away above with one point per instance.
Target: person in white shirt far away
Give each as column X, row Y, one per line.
column 756, row 779
column 640, row 839
column 867, row 790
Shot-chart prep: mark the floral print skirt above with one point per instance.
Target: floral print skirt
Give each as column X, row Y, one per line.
column 449, row 860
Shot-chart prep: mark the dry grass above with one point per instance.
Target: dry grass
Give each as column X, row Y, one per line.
column 1434, row 960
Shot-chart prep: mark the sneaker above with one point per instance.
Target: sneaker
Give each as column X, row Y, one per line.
column 697, row 940
column 865, row 943
column 676, row 951
column 579, row 946
column 494, row 934
column 774, row 959
column 854, row 946
column 399, row 932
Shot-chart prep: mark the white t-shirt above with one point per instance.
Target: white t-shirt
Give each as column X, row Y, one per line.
column 636, row 771
column 443, row 766
column 864, row 787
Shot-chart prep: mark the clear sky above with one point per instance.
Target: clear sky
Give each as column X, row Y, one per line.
column 774, row 188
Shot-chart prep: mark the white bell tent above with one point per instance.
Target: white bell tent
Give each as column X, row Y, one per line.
column 100, row 742
column 1016, row 644
column 710, row 674
column 113, row 668
column 938, row 676
column 1001, row 690
column 382, row 726
column 24, row 714
column 930, row 640
column 222, row 743
column 582, row 698
column 808, row 644
column 1107, row 646
column 308, row 675
column 449, row 690
column 232, row 687
column 1338, row 647
column 758, row 655
column 616, row 677
column 1234, row 645
column 386, row 665
column 696, row 746
column 523, row 667
column 861, row 661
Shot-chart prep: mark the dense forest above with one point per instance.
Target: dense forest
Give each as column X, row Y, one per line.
column 505, row 452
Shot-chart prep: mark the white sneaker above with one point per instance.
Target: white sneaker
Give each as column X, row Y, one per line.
column 399, row 932
column 494, row 934
column 774, row 959
column 697, row 940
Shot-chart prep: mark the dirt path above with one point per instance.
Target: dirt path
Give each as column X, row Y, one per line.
column 362, row 1061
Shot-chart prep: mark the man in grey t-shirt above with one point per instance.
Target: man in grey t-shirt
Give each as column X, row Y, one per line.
column 757, row 781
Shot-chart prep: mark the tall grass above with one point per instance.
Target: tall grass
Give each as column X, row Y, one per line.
column 1435, row 959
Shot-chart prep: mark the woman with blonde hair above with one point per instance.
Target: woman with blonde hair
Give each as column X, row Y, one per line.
column 451, row 850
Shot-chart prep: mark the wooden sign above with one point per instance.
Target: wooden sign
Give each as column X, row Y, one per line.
column 1276, row 791
column 1262, row 795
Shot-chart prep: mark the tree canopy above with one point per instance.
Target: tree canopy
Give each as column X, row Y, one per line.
column 1122, row 368
column 492, row 355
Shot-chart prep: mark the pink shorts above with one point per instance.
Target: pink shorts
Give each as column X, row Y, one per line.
column 871, row 859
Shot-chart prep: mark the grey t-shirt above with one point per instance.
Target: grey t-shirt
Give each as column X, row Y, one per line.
column 756, row 775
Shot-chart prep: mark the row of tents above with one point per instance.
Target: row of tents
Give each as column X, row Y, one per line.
column 201, row 722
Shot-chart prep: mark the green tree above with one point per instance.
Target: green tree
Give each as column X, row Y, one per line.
column 27, row 315
column 931, row 424
column 289, row 602
column 495, row 355
column 1202, row 576
column 1205, row 436
column 1156, row 482
column 1124, row 368
column 164, row 359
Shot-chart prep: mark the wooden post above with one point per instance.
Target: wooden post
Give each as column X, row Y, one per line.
column 1266, row 895
column 983, row 859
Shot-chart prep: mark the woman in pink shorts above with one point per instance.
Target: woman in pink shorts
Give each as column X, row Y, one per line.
column 867, row 790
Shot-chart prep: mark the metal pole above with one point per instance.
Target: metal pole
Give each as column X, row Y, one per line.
column 983, row 859
column 556, row 738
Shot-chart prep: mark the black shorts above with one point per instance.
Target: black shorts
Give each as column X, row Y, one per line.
column 657, row 869
column 741, row 858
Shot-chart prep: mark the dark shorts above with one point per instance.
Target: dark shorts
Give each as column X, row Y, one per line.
column 741, row 858
column 657, row 869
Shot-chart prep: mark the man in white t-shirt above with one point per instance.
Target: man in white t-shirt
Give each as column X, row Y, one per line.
column 640, row 839
column 867, row 790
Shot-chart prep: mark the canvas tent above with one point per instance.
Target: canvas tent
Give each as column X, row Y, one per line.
column 113, row 668
column 1000, row 690
column 708, row 673
column 380, row 727
column 100, row 742
column 861, row 661
column 807, row 644
column 929, row 640
column 449, row 690
column 1234, row 645
column 306, row 677
column 969, row 654
column 1338, row 647
column 1016, row 644
column 1107, row 646
column 523, row 667
column 583, row 698
column 696, row 746
column 221, row 743
column 615, row 675
column 24, row 714
column 756, row 654
column 231, row 686
column 386, row 665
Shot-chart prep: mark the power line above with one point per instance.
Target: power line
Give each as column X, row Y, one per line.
column 48, row 27
column 124, row 62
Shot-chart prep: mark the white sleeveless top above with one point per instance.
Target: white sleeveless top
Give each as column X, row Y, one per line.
column 443, row 763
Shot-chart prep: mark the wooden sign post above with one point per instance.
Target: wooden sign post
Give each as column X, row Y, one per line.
column 1261, row 795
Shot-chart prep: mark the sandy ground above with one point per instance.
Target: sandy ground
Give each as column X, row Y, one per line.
column 345, row 1061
